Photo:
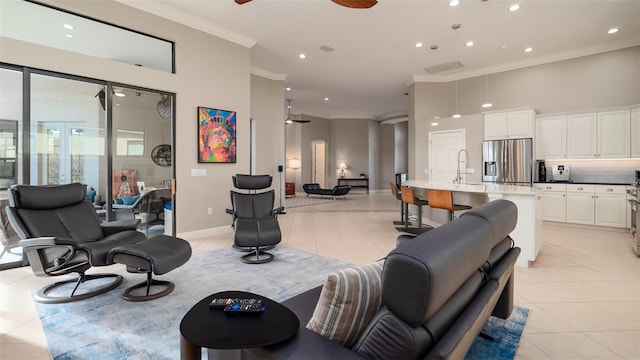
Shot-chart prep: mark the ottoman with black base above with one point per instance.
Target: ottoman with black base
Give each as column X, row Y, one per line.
column 156, row 255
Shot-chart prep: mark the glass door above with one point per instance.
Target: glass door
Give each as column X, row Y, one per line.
column 10, row 160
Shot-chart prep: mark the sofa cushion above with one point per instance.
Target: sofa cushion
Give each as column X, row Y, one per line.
column 349, row 300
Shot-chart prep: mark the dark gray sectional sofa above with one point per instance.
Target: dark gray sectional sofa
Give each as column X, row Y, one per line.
column 437, row 291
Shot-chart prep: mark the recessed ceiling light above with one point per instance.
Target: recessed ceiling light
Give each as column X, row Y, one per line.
column 514, row 7
column 528, row 50
column 68, row 35
column 470, row 43
column 119, row 94
column 487, row 105
column 288, row 89
column 302, row 56
column 326, row 99
column 68, row 26
column 454, row 2
column 456, row 116
column 419, row 45
column 612, row 31
column 434, row 124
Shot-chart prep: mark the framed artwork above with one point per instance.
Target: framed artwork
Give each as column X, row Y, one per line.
column 216, row 135
column 124, row 183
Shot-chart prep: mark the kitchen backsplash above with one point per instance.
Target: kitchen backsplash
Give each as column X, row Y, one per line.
column 605, row 171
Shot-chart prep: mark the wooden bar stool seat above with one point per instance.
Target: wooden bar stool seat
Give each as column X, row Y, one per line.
column 408, row 196
column 443, row 199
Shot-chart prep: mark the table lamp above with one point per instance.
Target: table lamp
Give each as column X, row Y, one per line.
column 342, row 167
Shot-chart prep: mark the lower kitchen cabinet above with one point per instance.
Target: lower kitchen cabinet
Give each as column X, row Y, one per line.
column 580, row 204
column 554, row 202
column 602, row 205
column 610, row 206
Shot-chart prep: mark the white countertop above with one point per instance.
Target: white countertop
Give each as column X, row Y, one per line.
column 487, row 188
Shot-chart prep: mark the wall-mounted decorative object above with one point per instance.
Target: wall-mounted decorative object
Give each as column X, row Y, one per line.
column 161, row 155
column 164, row 107
column 216, row 135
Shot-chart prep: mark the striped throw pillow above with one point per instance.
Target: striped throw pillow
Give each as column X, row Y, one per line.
column 349, row 300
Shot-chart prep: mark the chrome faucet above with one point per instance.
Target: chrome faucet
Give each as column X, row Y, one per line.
column 458, row 178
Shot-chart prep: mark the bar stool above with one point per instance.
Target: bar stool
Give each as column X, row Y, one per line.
column 408, row 197
column 395, row 191
column 443, row 199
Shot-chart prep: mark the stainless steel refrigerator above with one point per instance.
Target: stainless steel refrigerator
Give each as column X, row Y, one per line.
column 508, row 161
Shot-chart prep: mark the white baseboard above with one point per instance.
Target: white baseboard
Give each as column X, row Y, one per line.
column 191, row 235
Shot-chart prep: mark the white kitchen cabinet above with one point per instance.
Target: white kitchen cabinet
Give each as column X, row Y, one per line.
column 613, row 134
column 599, row 135
column 515, row 124
column 635, row 133
column 610, row 206
column 551, row 137
column 554, row 202
column 495, row 126
column 581, row 135
column 580, row 204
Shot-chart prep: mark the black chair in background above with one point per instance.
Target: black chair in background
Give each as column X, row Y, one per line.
column 255, row 220
column 61, row 234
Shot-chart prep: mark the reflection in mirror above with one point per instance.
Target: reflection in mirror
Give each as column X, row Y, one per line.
column 66, row 31
column 129, row 143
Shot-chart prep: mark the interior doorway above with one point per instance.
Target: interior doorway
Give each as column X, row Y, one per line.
column 318, row 161
column 443, row 153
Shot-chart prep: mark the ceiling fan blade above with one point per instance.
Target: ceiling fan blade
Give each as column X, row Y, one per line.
column 240, row 2
column 356, row 4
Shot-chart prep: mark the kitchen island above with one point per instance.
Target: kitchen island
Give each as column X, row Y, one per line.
column 528, row 232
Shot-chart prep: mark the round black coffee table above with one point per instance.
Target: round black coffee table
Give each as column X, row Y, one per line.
column 216, row 329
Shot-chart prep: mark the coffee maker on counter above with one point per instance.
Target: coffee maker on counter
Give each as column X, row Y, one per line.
column 542, row 171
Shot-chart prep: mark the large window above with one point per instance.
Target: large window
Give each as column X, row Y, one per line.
column 67, row 136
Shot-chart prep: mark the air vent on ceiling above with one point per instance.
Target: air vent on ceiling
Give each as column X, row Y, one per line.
column 443, row 67
column 326, row 48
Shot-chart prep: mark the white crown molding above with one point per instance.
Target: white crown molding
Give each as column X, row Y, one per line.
column 395, row 120
column 534, row 61
column 181, row 17
column 268, row 74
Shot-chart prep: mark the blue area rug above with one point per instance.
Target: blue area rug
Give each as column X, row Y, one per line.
column 108, row 327
column 506, row 334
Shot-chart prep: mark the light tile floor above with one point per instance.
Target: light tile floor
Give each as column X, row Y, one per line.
column 583, row 291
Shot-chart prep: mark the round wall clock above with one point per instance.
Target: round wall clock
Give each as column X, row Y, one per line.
column 161, row 155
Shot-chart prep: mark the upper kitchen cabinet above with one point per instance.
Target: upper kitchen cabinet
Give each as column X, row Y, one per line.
column 514, row 124
column 635, row 132
column 551, row 137
column 599, row 135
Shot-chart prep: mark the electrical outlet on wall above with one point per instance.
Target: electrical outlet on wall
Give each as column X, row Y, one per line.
column 210, row 211
column 471, row 171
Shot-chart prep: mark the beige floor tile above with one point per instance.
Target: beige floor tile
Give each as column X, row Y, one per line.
column 624, row 343
column 597, row 316
column 528, row 351
column 571, row 346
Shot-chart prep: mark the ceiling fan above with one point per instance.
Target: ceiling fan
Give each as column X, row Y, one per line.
column 354, row 4
column 289, row 119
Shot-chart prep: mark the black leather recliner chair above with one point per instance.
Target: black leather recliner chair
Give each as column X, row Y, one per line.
column 62, row 234
column 254, row 218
